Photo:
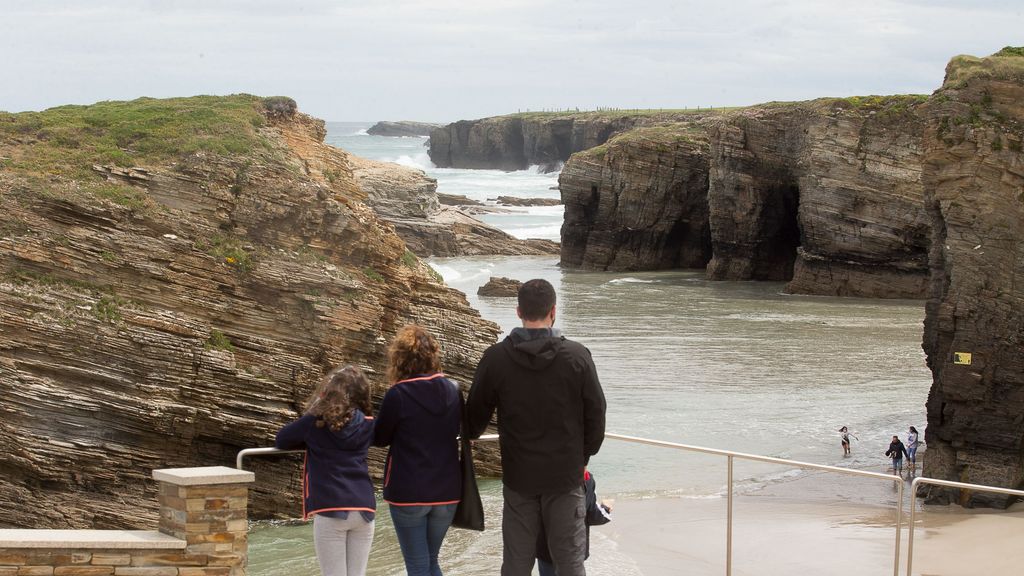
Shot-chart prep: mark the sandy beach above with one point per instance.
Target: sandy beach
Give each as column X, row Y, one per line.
column 794, row 527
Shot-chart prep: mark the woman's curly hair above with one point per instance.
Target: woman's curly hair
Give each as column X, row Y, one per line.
column 335, row 400
column 413, row 351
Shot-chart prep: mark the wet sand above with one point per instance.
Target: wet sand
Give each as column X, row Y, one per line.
column 801, row 527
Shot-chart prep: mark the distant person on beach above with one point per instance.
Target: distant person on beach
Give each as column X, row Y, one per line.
column 896, row 451
column 551, row 417
column 597, row 513
column 336, row 431
column 912, row 444
column 419, row 419
column 844, row 436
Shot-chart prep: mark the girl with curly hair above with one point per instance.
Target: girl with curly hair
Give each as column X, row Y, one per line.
column 419, row 419
column 336, row 430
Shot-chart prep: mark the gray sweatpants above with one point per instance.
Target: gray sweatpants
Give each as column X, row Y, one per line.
column 563, row 519
column 342, row 546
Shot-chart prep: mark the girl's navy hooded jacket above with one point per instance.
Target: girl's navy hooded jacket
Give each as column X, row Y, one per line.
column 419, row 419
column 334, row 475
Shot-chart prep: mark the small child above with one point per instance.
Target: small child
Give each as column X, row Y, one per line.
column 844, row 436
column 336, row 430
column 597, row 513
column 897, row 451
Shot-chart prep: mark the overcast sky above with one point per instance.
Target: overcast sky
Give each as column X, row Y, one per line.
column 443, row 60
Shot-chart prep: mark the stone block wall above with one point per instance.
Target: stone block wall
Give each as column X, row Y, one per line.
column 203, row 531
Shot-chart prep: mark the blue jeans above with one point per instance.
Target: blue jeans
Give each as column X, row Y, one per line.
column 420, row 531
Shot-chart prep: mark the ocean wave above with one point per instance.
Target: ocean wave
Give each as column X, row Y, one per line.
column 540, row 169
column 552, row 232
column 360, row 133
column 420, row 161
column 630, row 280
column 814, row 319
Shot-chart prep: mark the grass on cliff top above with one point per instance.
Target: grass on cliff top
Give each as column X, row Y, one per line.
column 1007, row 64
column 68, row 140
column 660, row 136
column 612, row 114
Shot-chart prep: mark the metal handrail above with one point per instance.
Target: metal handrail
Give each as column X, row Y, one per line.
column 949, row 484
column 730, row 455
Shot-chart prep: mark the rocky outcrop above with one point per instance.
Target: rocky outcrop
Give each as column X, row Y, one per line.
column 175, row 276
column 408, row 199
column 518, row 141
column 402, row 128
column 638, row 202
column 823, row 194
column 500, row 286
column 974, row 193
column 515, row 201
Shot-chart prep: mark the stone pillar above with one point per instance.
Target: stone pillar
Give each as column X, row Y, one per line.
column 208, row 509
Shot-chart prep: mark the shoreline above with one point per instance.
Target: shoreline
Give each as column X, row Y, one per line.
column 807, row 524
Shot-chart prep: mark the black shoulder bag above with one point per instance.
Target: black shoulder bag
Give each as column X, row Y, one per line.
column 470, row 512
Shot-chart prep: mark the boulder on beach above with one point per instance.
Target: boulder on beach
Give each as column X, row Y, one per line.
column 500, row 286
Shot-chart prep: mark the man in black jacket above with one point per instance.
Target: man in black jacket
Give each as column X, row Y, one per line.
column 550, row 420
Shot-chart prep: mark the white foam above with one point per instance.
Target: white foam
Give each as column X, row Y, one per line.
column 420, row 160
column 629, row 280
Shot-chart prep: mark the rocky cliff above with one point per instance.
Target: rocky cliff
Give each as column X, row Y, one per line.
column 518, row 141
column 638, row 202
column 175, row 275
column 407, row 198
column 824, row 194
column 402, row 128
column 974, row 194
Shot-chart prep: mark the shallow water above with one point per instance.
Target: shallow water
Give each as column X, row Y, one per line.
column 732, row 365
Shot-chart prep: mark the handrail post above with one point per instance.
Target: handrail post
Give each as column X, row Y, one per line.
column 728, row 525
column 910, row 529
column 899, row 523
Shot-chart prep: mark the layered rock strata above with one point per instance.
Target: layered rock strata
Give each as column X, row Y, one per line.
column 408, row 199
column 823, row 194
column 518, row 141
column 974, row 193
column 175, row 277
column 499, row 286
column 638, row 202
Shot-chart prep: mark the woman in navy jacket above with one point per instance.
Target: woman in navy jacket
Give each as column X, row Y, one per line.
column 419, row 419
column 336, row 432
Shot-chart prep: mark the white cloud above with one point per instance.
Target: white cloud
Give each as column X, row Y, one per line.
column 449, row 59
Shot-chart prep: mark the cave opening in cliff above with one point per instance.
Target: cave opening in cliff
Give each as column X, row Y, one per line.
column 782, row 235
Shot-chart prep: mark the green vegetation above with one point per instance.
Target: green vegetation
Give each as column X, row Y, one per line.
column 614, row 113
column 229, row 250
column 885, row 107
column 373, row 274
column 1017, row 51
column 108, row 308
column 22, row 276
column 68, row 140
column 409, row 259
column 435, row 274
column 280, row 106
column 1007, row 64
column 123, row 195
column 664, row 137
column 218, row 341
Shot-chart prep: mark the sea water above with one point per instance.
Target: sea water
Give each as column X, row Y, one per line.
column 732, row 365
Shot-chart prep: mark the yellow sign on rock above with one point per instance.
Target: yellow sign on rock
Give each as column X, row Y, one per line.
column 963, row 358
